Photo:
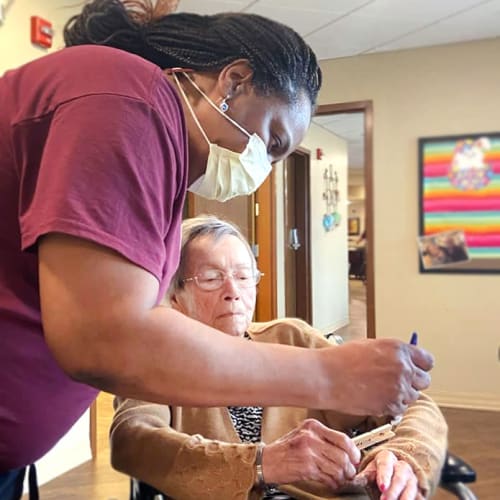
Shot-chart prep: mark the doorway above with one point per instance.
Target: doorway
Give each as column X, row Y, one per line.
column 366, row 109
column 296, row 175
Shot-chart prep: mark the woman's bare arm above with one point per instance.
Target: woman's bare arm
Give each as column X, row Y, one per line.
column 102, row 325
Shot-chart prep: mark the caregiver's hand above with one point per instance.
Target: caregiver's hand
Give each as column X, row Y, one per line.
column 311, row 451
column 376, row 377
column 394, row 478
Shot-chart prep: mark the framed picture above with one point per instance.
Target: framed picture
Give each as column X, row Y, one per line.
column 353, row 226
column 459, row 194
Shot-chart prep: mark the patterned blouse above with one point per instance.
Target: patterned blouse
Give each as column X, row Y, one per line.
column 247, row 421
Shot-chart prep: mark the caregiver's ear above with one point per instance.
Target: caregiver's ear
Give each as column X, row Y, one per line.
column 235, row 78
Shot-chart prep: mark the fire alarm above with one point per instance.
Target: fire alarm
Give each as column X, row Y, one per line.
column 41, row 32
column 319, row 153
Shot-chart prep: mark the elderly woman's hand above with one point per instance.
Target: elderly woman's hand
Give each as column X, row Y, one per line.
column 394, row 478
column 311, row 451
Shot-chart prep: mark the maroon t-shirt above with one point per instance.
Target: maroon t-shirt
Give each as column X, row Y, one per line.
column 92, row 144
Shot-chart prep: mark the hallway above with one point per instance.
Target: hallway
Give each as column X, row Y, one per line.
column 356, row 329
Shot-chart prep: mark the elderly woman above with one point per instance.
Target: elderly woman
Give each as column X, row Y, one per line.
column 251, row 452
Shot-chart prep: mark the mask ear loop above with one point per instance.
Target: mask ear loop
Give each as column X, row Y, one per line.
column 195, row 85
column 193, row 114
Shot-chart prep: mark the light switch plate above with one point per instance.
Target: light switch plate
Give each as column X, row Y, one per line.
column 2, row 13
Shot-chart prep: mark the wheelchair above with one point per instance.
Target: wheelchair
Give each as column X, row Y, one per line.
column 455, row 476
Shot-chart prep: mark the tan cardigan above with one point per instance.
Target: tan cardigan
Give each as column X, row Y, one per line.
column 195, row 453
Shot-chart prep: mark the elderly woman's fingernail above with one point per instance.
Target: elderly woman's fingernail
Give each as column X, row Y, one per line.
column 382, row 489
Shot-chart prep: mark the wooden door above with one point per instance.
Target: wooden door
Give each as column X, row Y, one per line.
column 254, row 216
column 297, row 236
column 265, row 250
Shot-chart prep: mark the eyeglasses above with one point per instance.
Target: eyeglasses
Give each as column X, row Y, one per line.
column 213, row 279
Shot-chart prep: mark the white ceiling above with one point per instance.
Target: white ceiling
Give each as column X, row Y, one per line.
column 341, row 28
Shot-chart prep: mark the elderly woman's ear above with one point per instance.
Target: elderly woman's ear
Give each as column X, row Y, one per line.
column 173, row 302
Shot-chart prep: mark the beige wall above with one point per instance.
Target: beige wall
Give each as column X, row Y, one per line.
column 432, row 91
column 329, row 260
column 15, row 44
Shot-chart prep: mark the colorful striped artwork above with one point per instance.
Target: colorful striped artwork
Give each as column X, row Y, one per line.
column 460, row 190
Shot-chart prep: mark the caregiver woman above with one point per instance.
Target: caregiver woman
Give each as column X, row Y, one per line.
column 98, row 144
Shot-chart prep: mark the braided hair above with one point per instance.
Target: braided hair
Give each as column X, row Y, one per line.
column 283, row 64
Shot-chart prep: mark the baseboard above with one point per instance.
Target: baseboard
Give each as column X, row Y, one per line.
column 466, row 400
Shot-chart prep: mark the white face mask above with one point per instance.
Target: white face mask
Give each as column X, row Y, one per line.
column 229, row 174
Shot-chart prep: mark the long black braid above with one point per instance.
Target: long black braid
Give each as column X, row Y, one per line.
column 283, row 64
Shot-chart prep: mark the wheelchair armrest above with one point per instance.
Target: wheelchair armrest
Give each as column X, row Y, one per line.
column 455, row 470
column 142, row 491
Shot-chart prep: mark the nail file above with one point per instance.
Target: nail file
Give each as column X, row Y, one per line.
column 375, row 436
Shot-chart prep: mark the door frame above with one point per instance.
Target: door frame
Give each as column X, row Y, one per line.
column 365, row 107
column 93, row 429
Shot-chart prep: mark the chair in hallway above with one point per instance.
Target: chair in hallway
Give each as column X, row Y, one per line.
column 357, row 263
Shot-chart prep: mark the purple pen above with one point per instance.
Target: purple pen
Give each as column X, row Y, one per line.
column 414, row 338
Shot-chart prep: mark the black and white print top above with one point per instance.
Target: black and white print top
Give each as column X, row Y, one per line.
column 247, row 421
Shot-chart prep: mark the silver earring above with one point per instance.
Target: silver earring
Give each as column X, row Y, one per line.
column 224, row 106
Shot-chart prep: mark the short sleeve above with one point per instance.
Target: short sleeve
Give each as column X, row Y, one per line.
column 110, row 172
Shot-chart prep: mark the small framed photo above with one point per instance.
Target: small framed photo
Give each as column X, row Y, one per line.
column 353, row 226
column 443, row 249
